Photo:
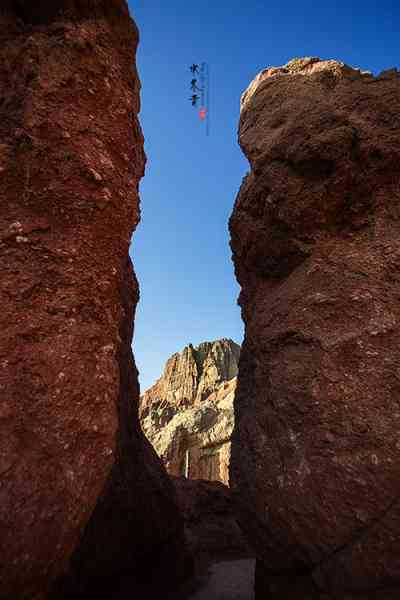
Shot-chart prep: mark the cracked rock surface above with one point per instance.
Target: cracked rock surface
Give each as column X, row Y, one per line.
column 83, row 495
column 315, row 238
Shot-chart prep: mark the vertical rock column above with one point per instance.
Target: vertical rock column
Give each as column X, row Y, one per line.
column 81, row 490
column 316, row 245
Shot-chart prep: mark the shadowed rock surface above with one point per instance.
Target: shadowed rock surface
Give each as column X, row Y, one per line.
column 188, row 414
column 82, row 492
column 211, row 527
column 226, row 580
column 315, row 239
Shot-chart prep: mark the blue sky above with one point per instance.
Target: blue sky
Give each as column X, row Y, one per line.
column 181, row 247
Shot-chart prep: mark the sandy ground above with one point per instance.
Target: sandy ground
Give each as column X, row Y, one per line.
column 228, row 580
column 220, row 580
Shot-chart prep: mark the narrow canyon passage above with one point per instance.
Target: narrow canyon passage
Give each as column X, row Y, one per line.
column 228, row 580
column 303, row 426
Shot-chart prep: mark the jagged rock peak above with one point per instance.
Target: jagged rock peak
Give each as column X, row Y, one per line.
column 191, row 375
column 188, row 414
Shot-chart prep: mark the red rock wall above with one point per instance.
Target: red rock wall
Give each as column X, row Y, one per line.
column 81, row 490
column 315, row 238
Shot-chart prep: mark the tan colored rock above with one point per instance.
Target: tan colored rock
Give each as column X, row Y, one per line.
column 196, row 441
column 82, row 493
column 188, row 414
column 191, row 375
column 315, row 239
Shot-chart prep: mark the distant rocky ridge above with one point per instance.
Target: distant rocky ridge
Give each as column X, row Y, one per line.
column 188, row 414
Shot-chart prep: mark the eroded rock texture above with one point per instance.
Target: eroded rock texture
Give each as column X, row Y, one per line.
column 188, row 414
column 315, row 238
column 81, row 490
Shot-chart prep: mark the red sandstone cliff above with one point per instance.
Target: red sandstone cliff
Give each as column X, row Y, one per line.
column 315, row 239
column 82, row 492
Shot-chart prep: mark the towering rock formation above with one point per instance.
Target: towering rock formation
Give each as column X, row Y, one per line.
column 81, row 489
column 315, row 238
column 188, row 414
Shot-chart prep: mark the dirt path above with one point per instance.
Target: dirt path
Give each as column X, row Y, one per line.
column 228, row 580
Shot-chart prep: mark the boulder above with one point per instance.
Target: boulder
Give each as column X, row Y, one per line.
column 315, row 238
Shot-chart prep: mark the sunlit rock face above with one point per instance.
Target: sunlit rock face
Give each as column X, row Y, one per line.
column 315, row 239
column 188, row 414
column 82, row 493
